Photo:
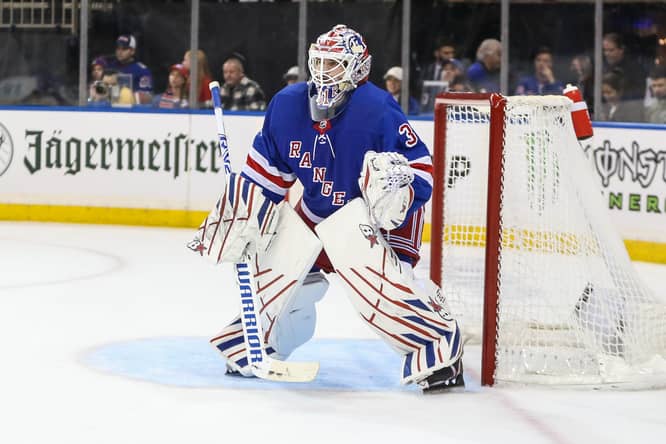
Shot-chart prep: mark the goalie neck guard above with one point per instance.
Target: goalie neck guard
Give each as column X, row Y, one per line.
column 338, row 62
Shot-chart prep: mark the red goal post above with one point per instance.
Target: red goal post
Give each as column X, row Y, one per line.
column 526, row 254
column 492, row 218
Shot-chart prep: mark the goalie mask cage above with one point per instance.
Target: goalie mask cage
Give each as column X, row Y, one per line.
column 526, row 254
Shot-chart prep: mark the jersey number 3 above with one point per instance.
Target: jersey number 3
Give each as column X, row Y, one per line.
column 408, row 132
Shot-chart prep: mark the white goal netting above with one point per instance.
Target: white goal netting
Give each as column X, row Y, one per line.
column 571, row 309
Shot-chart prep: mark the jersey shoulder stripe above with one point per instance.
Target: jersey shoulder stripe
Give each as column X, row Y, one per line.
column 277, row 180
column 259, row 159
column 426, row 160
column 422, row 167
column 262, row 181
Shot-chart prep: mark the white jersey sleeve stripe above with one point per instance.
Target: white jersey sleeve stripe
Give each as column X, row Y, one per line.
column 425, row 160
column 423, row 175
column 309, row 214
column 422, row 167
column 263, row 181
column 261, row 160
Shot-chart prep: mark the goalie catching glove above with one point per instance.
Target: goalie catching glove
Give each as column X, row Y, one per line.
column 385, row 183
column 242, row 223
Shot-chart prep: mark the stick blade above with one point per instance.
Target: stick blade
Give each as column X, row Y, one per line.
column 282, row 371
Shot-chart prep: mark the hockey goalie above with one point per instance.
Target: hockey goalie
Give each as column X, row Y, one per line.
column 366, row 177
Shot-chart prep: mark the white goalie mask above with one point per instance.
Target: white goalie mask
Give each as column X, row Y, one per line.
column 338, row 62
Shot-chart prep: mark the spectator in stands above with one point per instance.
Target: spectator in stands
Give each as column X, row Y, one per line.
column 656, row 111
column 615, row 108
column 617, row 59
column 430, row 88
column 204, row 77
column 543, row 80
column 121, row 93
column 291, row 76
column 583, row 77
column 460, row 84
column 239, row 92
column 100, row 90
column 138, row 74
column 177, row 90
column 444, row 51
column 107, row 91
column 97, row 68
column 484, row 73
column 393, row 80
column 95, row 88
column 451, row 68
column 430, row 77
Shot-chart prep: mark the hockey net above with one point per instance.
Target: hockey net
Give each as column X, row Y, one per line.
column 527, row 255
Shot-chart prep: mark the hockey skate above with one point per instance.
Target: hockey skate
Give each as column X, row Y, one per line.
column 448, row 379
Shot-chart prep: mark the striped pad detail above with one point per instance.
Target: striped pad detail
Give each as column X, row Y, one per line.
column 231, row 343
column 432, row 356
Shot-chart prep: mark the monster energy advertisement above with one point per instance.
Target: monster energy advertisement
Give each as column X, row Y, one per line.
column 632, row 170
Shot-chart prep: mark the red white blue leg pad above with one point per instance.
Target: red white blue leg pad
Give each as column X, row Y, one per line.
column 414, row 320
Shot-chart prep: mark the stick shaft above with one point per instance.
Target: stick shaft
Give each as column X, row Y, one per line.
column 260, row 363
column 223, row 145
column 250, row 317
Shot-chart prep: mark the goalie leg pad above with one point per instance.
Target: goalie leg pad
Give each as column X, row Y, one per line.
column 415, row 321
column 278, row 277
column 231, row 344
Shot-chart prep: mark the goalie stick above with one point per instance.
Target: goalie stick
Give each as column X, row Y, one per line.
column 260, row 363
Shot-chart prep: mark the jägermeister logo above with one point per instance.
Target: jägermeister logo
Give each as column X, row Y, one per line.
column 175, row 154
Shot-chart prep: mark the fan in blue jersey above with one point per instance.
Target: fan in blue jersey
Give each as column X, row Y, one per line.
column 140, row 77
column 350, row 146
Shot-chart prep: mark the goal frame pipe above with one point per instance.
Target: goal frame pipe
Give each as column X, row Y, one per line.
column 439, row 164
column 493, row 238
column 493, row 212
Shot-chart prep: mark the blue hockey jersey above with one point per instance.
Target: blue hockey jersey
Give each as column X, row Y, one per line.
column 142, row 79
column 327, row 156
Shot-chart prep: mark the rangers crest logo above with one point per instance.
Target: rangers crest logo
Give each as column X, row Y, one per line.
column 369, row 233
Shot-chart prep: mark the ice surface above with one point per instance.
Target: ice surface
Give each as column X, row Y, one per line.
column 103, row 333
